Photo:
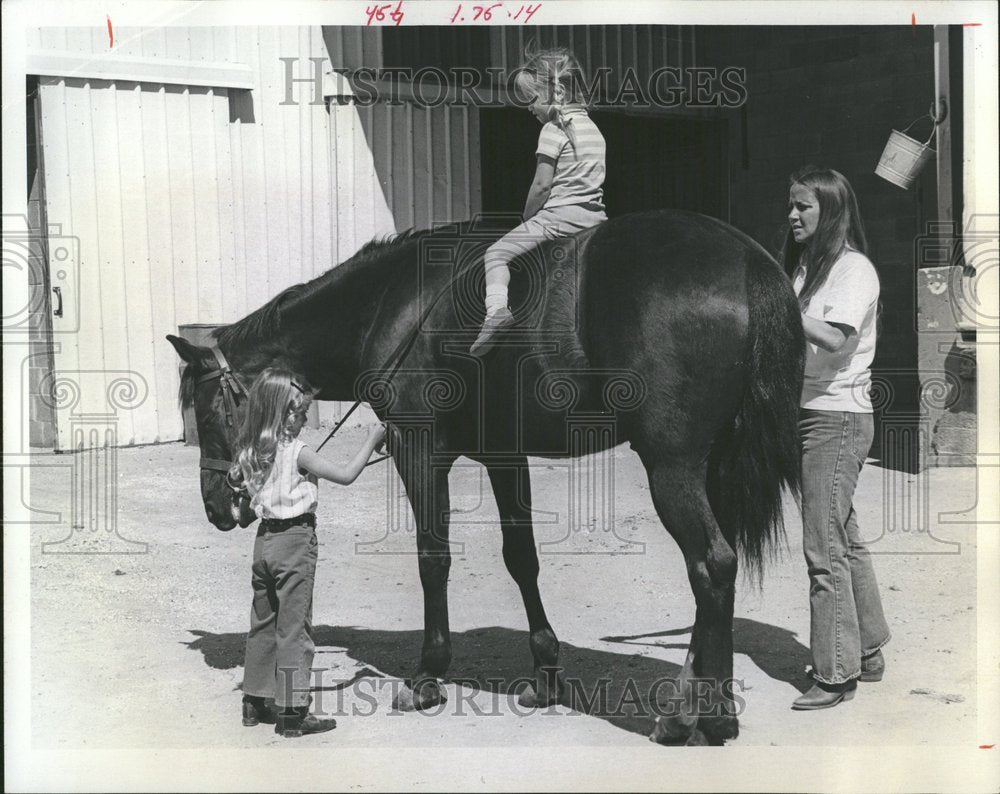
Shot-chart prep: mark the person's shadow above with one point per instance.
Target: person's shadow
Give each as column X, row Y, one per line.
column 627, row 690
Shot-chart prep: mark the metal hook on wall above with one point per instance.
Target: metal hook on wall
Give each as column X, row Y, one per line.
column 938, row 111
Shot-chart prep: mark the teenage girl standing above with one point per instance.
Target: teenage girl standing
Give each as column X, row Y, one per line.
column 838, row 292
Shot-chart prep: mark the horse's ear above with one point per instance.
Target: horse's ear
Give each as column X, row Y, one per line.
column 191, row 354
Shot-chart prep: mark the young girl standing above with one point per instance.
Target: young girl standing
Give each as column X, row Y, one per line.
column 838, row 292
column 280, row 474
column 566, row 195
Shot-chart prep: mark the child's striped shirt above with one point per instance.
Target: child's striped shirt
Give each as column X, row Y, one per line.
column 579, row 169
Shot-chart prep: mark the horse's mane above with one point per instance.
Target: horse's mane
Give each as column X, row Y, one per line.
column 266, row 321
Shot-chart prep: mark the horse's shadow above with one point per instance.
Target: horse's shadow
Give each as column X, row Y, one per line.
column 774, row 650
column 622, row 688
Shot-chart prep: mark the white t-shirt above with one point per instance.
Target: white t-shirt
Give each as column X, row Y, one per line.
column 841, row 380
column 288, row 491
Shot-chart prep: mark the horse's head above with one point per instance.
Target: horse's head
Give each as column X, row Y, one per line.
column 219, row 400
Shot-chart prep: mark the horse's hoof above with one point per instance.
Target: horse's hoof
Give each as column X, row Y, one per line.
column 425, row 696
column 697, row 739
column 670, row 730
column 718, row 729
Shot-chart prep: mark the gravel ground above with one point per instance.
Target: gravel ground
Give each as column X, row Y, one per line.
column 145, row 650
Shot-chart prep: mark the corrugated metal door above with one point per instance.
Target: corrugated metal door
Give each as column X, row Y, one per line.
column 133, row 171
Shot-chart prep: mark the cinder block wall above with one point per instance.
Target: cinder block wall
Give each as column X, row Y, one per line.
column 830, row 96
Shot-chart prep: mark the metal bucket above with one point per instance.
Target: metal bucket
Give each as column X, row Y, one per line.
column 904, row 157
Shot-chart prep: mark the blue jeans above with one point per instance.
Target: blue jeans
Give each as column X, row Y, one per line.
column 847, row 621
column 280, row 643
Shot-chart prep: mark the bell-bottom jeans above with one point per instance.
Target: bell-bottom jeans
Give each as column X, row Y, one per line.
column 847, row 621
column 280, row 643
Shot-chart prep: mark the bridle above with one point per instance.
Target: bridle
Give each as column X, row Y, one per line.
column 232, row 389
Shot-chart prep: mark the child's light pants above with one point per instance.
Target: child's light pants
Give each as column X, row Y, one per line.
column 547, row 224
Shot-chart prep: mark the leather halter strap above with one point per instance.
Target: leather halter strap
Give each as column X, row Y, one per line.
column 216, row 464
column 232, row 389
column 229, row 383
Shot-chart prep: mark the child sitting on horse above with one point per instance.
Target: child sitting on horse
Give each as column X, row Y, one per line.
column 280, row 474
column 566, row 195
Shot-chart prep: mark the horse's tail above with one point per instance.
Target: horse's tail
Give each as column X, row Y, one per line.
column 760, row 453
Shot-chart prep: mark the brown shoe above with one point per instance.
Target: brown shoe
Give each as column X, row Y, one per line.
column 487, row 335
column 293, row 723
column 824, row 696
column 873, row 667
column 255, row 711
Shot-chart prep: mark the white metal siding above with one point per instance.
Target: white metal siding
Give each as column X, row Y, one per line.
column 186, row 217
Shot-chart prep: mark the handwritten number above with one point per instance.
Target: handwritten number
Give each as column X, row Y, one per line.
column 377, row 13
column 485, row 13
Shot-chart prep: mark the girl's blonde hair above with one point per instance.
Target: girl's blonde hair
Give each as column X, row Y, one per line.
column 839, row 227
column 276, row 396
column 544, row 72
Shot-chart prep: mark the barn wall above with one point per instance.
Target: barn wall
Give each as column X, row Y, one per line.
column 195, row 205
column 642, row 48
column 830, row 96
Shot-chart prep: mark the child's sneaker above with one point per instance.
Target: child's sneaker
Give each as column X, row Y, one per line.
column 294, row 722
column 492, row 324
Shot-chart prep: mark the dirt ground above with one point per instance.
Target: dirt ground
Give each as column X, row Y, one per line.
column 145, row 649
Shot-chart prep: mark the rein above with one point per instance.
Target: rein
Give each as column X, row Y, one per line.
column 396, row 359
column 232, row 388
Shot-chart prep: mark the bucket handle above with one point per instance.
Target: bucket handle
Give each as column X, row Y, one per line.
column 934, row 116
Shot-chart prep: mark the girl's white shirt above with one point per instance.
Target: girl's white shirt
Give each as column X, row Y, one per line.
column 841, row 380
column 288, row 491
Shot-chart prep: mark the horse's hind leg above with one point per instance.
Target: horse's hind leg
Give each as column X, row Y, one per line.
column 512, row 488
column 427, row 489
column 682, row 504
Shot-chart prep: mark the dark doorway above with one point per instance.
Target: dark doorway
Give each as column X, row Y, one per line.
column 652, row 163
column 41, row 414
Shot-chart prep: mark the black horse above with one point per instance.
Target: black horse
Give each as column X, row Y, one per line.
column 675, row 330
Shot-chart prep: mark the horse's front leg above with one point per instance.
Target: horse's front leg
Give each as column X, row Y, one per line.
column 427, row 489
column 512, row 489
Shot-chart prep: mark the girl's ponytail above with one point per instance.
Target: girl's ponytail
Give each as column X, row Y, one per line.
column 566, row 125
column 553, row 69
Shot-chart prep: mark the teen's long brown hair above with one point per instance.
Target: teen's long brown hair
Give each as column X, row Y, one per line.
column 839, row 227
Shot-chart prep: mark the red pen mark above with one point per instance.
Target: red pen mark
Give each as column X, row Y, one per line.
column 111, row 35
column 972, row 25
column 986, row 746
